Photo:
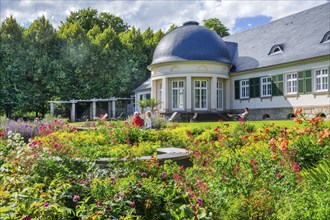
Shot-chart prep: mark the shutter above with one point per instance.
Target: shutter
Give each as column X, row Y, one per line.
column 148, row 96
column 255, row 87
column 308, row 81
column 237, row 95
column 280, row 84
column 274, row 86
column 301, row 76
column 277, row 85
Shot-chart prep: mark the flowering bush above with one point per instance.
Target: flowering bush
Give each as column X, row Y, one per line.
column 241, row 172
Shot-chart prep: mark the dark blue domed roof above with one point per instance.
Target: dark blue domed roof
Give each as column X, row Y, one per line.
column 191, row 42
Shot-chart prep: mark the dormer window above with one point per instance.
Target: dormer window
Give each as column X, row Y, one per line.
column 326, row 38
column 277, row 48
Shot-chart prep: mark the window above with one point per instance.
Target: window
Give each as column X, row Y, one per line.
column 326, row 38
column 321, row 80
column 144, row 96
column 266, row 86
column 200, row 96
column 178, row 95
column 277, row 48
column 244, row 89
column 219, row 95
column 160, row 93
column 291, row 83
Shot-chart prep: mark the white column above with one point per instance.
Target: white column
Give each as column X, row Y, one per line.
column 213, row 94
column 52, row 108
column 94, row 109
column 166, row 94
column 153, row 94
column 73, row 111
column 188, row 93
column 113, row 108
column 109, row 109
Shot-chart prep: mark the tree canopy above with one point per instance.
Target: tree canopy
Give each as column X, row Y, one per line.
column 90, row 55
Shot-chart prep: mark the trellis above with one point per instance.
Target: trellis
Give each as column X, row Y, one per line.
column 111, row 106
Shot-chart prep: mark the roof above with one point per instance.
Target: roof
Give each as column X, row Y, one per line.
column 191, row 42
column 143, row 86
column 299, row 35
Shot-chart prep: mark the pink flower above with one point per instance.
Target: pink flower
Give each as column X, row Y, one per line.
column 132, row 204
column 139, row 185
column 76, row 198
column 199, row 201
column 163, row 175
column 143, row 174
column 46, row 204
column 278, row 175
column 296, row 167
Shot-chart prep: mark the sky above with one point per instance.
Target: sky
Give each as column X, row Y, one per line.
column 236, row 15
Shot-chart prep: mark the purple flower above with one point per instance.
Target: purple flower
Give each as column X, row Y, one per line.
column 132, row 204
column 46, row 204
column 143, row 174
column 163, row 175
column 76, row 198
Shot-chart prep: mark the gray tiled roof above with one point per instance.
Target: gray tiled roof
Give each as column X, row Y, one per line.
column 299, row 34
column 191, row 42
column 143, row 86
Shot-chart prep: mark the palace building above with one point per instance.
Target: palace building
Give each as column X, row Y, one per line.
column 271, row 69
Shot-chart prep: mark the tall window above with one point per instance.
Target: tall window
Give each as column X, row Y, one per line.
column 200, row 88
column 160, row 93
column 291, row 83
column 219, row 95
column 321, row 80
column 178, row 95
column 245, row 89
column 266, row 86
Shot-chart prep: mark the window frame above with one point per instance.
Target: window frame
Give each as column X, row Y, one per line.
column 179, row 94
column 324, row 79
column 267, row 84
column 200, row 88
column 244, row 89
column 291, row 84
column 220, row 98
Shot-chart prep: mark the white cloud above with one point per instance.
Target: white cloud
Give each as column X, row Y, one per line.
column 160, row 14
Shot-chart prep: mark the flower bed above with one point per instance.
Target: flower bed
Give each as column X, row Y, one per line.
column 238, row 171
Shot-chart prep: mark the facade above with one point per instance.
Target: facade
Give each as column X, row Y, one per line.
column 271, row 69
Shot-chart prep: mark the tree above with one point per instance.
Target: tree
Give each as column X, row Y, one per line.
column 40, row 82
column 215, row 25
column 11, row 54
column 152, row 103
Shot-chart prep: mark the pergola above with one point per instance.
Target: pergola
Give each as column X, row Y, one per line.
column 111, row 106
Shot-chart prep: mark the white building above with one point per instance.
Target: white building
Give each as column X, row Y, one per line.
column 271, row 69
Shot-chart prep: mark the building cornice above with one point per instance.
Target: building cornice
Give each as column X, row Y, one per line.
column 150, row 67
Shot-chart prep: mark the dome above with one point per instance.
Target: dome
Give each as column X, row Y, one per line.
column 191, row 42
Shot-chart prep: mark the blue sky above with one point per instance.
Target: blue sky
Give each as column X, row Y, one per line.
column 237, row 15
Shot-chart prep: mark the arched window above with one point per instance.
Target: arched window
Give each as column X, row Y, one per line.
column 326, row 38
column 277, row 48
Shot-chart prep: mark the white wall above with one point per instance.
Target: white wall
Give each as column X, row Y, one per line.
column 299, row 100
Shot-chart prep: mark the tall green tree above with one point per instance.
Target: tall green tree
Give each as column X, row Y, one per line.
column 11, row 53
column 40, row 82
column 215, row 25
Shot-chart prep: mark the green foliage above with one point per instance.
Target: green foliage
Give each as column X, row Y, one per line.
column 215, row 25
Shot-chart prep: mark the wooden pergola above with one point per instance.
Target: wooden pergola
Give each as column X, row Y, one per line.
column 111, row 106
